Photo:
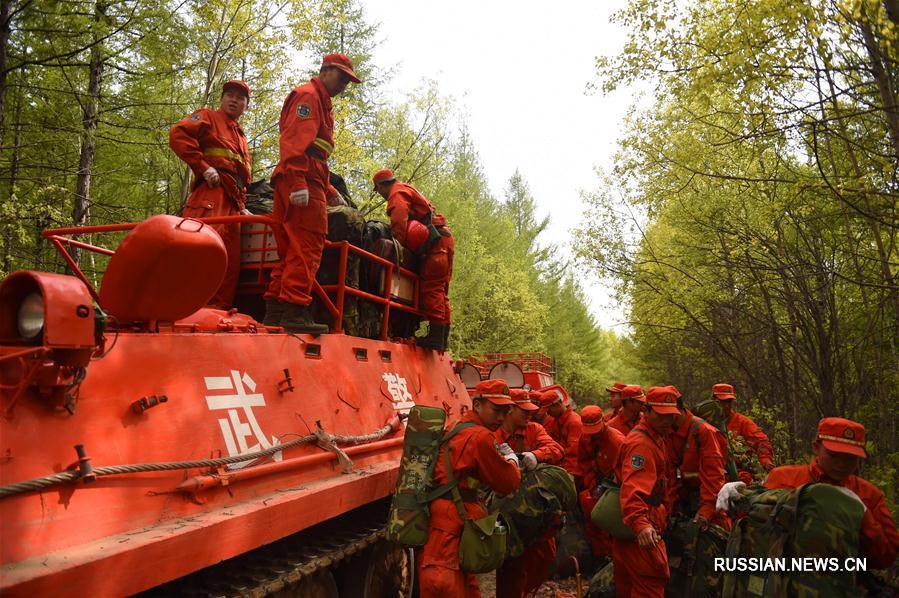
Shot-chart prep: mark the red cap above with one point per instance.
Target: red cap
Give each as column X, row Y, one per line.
column 674, row 389
column 237, row 85
column 383, row 175
column 633, row 391
column 662, row 399
column 341, row 62
column 534, row 396
column 495, row 391
column 593, row 419
column 842, row 436
column 615, row 388
column 723, row 392
column 549, row 397
column 522, row 399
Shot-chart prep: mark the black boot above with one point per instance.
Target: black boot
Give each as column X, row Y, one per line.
column 296, row 318
column 446, row 331
column 274, row 309
column 434, row 339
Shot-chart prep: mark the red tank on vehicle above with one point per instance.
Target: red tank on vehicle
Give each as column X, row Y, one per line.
column 145, row 437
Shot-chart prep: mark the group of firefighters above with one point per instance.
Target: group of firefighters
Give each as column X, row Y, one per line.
column 666, row 460
column 214, row 146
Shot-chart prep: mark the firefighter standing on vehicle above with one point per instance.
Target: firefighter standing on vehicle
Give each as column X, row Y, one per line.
column 418, row 227
column 742, row 426
column 598, row 451
column 641, row 565
column 838, row 447
column 301, row 194
column 696, row 456
column 632, row 406
column 476, row 461
column 213, row 145
column 519, row 576
column 563, row 424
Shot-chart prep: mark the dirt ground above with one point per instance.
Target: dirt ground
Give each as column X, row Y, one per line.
column 487, row 583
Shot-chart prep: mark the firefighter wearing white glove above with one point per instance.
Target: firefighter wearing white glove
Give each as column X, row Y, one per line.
column 728, row 494
column 508, row 454
column 529, row 461
column 211, row 176
column 299, row 198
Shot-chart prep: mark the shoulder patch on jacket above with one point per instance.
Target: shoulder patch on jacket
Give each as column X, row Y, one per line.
column 637, row 461
column 304, row 110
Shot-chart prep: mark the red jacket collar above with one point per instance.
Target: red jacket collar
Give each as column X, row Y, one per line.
column 322, row 93
column 656, row 437
column 817, row 474
column 471, row 416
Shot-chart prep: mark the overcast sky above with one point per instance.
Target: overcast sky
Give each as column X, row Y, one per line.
column 519, row 71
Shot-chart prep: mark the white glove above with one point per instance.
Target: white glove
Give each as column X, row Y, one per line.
column 851, row 494
column 336, row 200
column 504, row 449
column 530, row 461
column 211, row 175
column 512, row 458
column 246, row 212
column 729, row 492
column 299, row 198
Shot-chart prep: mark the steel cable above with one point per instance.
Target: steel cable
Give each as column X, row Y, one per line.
column 72, row 476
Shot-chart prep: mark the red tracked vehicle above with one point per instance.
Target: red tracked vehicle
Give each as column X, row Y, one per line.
column 147, row 439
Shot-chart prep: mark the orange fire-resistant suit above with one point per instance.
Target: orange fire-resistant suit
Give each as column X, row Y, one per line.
column 307, row 139
column 519, row 576
column 436, row 265
column 566, row 430
column 642, row 468
column 210, row 138
column 475, row 459
column 879, row 538
column 758, row 440
column 623, row 425
column 696, row 461
column 597, row 457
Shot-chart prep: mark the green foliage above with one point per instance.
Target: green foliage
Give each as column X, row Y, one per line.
column 162, row 59
column 750, row 219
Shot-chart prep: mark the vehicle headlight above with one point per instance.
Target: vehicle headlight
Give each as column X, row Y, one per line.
column 31, row 317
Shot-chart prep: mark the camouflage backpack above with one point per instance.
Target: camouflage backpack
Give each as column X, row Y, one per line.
column 542, row 498
column 407, row 523
column 691, row 559
column 813, row 520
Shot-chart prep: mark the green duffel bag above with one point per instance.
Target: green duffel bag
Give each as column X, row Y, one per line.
column 813, row 520
column 542, row 499
column 483, row 545
column 606, row 515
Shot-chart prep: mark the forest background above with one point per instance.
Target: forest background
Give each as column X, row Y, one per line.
column 749, row 222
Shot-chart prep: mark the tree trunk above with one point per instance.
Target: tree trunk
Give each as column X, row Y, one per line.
column 13, row 181
column 90, row 106
column 882, row 79
column 5, row 30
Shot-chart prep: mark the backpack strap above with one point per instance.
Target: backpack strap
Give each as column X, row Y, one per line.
column 452, row 481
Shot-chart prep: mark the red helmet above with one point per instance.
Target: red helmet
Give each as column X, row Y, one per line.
column 416, row 235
